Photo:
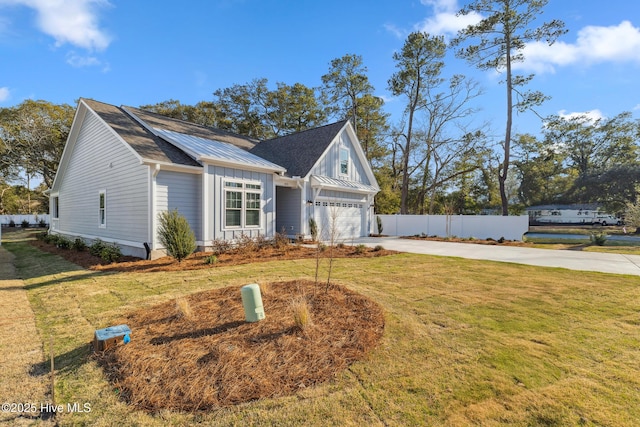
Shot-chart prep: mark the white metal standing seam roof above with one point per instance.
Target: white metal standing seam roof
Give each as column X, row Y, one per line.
column 211, row 150
column 342, row 185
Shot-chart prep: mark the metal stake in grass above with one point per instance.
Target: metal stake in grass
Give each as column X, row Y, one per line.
column 53, row 380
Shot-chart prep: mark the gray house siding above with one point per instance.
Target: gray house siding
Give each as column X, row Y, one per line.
column 217, row 177
column 181, row 191
column 102, row 163
column 329, row 165
column 288, row 211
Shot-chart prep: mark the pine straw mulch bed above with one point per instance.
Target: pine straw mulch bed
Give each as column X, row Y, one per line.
column 197, row 260
column 200, row 354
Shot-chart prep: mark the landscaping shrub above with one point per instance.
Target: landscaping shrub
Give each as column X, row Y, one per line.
column 96, row 247
column 176, row 235
column 598, row 239
column 211, row 259
column 42, row 223
column 111, row 253
column 301, row 313
column 313, row 227
column 25, row 223
column 379, row 224
column 12, row 223
column 63, row 242
column 280, row 241
column 220, row 246
column 378, row 248
column 79, row 245
column 360, row 249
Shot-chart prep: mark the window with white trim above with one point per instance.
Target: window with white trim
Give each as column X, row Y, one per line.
column 242, row 204
column 55, row 207
column 103, row 208
column 344, row 161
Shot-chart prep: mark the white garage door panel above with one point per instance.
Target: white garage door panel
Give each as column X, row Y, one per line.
column 344, row 217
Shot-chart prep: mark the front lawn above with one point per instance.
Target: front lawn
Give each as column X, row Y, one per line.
column 465, row 342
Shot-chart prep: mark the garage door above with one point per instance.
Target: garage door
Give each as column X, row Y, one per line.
column 344, row 218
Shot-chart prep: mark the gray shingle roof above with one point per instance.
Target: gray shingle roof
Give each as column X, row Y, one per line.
column 162, row 122
column 143, row 142
column 299, row 151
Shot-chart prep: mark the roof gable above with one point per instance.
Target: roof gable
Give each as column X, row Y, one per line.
column 143, row 142
column 299, row 152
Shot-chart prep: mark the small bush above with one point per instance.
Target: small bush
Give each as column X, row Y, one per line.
column 42, row 236
column 12, row 223
column 220, row 246
column 111, row 253
column 313, row 228
column 63, row 243
column 501, row 240
column 340, row 246
column 211, row 259
column 379, row 224
column 79, row 245
column 96, row 247
column 322, row 247
column 281, row 241
column 246, row 243
column 42, row 223
column 176, row 235
column 598, row 239
column 360, row 249
column 25, row 223
column 378, row 248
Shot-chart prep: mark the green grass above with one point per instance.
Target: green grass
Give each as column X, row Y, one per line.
column 466, row 342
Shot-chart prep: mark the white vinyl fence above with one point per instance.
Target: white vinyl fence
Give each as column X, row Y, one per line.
column 5, row 221
column 464, row 226
column 34, row 220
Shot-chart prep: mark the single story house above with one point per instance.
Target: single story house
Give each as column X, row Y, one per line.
column 122, row 166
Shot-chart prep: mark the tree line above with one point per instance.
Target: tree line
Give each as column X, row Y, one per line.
column 435, row 158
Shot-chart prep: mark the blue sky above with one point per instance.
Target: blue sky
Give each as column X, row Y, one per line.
column 134, row 52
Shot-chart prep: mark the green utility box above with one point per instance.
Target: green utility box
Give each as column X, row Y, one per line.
column 252, row 302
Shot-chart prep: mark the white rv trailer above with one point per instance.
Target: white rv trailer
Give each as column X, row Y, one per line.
column 570, row 214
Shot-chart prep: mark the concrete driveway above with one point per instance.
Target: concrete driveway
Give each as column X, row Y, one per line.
column 573, row 260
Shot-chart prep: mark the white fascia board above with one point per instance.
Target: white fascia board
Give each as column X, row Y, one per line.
column 361, row 155
column 166, row 166
column 76, row 124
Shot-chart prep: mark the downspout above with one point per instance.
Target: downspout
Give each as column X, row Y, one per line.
column 152, row 210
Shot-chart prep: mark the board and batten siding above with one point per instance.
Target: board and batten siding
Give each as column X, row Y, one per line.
column 181, row 191
column 329, row 164
column 288, row 210
column 216, row 176
column 101, row 162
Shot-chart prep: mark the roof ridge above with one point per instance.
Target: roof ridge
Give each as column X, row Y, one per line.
column 344, row 121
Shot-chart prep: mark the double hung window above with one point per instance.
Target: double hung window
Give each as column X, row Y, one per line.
column 242, row 204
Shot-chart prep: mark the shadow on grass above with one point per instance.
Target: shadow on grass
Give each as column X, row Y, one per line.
column 66, row 362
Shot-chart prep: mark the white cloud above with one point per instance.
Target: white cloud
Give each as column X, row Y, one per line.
column 636, row 108
column 590, row 116
column 444, row 21
column 594, row 44
column 69, row 21
column 4, row 93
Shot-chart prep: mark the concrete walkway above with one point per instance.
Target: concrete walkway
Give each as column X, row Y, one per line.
column 573, row 260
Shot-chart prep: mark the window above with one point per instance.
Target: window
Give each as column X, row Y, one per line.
column 103, row 209
column 55, row 207
column 234, row 208
column 242, row 204
column 344, row 161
